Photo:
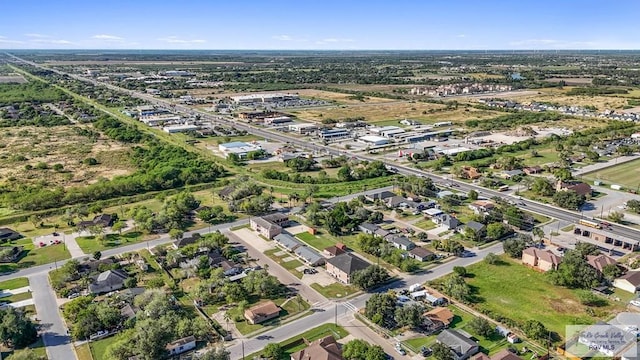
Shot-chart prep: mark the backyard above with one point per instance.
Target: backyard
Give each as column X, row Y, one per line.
column 499, row 289
column 296, row 343
column 33, row 256
column 626, row 174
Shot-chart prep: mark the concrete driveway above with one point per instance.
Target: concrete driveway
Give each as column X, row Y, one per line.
column 250, row 237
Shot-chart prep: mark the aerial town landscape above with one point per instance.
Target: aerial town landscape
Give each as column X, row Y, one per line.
column 324, row 203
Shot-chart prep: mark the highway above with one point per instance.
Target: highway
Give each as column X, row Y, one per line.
column 530, row 205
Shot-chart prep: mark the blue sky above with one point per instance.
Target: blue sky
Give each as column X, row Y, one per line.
column 320, row 24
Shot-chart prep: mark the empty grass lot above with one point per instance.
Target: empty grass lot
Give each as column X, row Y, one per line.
column 335, row 290
column 99, row 347
column 289, row 265
column 89, row 244
column 520, row 293
column 14, row 283
column 320, row 240
column 627, row 175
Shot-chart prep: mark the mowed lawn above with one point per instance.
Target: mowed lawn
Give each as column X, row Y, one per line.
column 626, row 174
column 520, row 293
column 320, row 240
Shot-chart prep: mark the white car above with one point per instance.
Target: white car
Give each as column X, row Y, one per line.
column 635, row 302
column 73, row 296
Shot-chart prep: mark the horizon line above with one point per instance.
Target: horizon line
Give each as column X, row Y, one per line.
column 352, row 50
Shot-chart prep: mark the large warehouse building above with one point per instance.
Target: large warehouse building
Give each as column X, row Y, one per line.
column 239, row 148
column 374, row 140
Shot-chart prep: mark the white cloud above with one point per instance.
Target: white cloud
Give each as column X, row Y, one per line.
column 52, row 41
column 461, row 35
column 5, row 40
column 177, row 40
column 283, row 37
column 36, row 35
column 334, row 41
column 107, row 37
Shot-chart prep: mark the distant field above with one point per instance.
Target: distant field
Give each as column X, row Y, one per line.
column 59, row 145
column 557, row 96
column 370, row 112
column 627, row 175
column 336, row 96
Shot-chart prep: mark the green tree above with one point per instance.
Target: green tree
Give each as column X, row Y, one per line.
column 514, row 246
column 611, row 271
column 492, row 259
column 380, row 309
column 569, row 199
column 473, row 195
column 369, row 277
column 441, row 352
column 176, row 234
column 481, row 326
column 409, row 316
column 118, row 226
column 218, row 353
column 574, row 271
column 497, row 230
column 97, row 255
column 26, row 354
column 460, row 270
column 616, row 216
column 535, row 330
column 16, row 330
column 455, row 286
column 634, row 205
column 273, row 351
column 542, row 187
column 563, row 174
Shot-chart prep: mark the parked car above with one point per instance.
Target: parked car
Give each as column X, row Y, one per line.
column 73, row 295
column 42, row 244
column 635, row 302
column 400, row 350
column 55, row 234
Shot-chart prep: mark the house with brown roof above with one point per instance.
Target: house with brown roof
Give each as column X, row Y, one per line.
column 469, row 172
column 503, row 354
column 440, row 314
column 598, row 262
column 322, row 349
column 265, row 227
column 334, row 250
column 262, row 312
column 532, row 170
column 421, row 254
column 578, row 187
column 629, row 282
column 482, row 207
column 542, row 260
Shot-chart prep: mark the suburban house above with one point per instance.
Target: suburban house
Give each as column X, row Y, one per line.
column 109, row 280
column 368, row 228
column 532, row 170
column 433, row 212
column 343, row 266
column 181, row 345
column 287, row 242
column 509, row 174
column 437, row 319
column 579, row 187
column 598, row 262
column 189, row 240
column 468, row 172
column 383, row 195
column 482, row 207
column 7, row 234
column 543, row 260
column 10, row 253
column 322, row 349
column 444, row 193
column 102, row 220
column 310, row 256
column 381, row 232
column 262, row 312
column 264, row 227
column 401, row 242
column 447, row 221
column 421, row 254
column 477, row 227
column 511, row 337
column 334, row 250
column 503, row 354
column 629, row 282
column 461, row 346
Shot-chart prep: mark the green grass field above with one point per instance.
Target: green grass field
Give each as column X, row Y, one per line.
column 335, row 290
column 320, row 240
column 626, row 174
column 33, row 256
column 520, row 293
column 89, row 244
column 83, row 352
column 99, row 347
column 289, row 265
column 14, row 283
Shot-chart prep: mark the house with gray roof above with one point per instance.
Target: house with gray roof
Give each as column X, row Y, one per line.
column 343, row 266
column 461, row 346
column 447, row 221
column 368, row 228
column 383, row 195
column 402, row 243
column 381, row 232
column 287, row 241
column 107, row 281
column 309, row 256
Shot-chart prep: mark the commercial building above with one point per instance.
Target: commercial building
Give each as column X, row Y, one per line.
column 277, row 120
column 172, row 129
column 303, row 128
column 155, row 120
column 374, row 140
column 334, row 134
column 239, row 148
column 263, row 98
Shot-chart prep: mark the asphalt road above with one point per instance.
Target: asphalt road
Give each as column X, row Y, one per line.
column 53, row 330
column 343, row 310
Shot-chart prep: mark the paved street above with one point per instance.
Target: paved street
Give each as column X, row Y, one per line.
column 54, row 333
column 327, row 313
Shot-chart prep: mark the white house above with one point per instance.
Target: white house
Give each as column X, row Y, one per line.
column 629, row 282
column 181, row 345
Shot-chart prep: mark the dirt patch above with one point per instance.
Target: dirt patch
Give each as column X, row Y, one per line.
column 252, row 238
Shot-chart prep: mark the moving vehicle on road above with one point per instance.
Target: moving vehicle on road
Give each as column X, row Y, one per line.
column 590, row 223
